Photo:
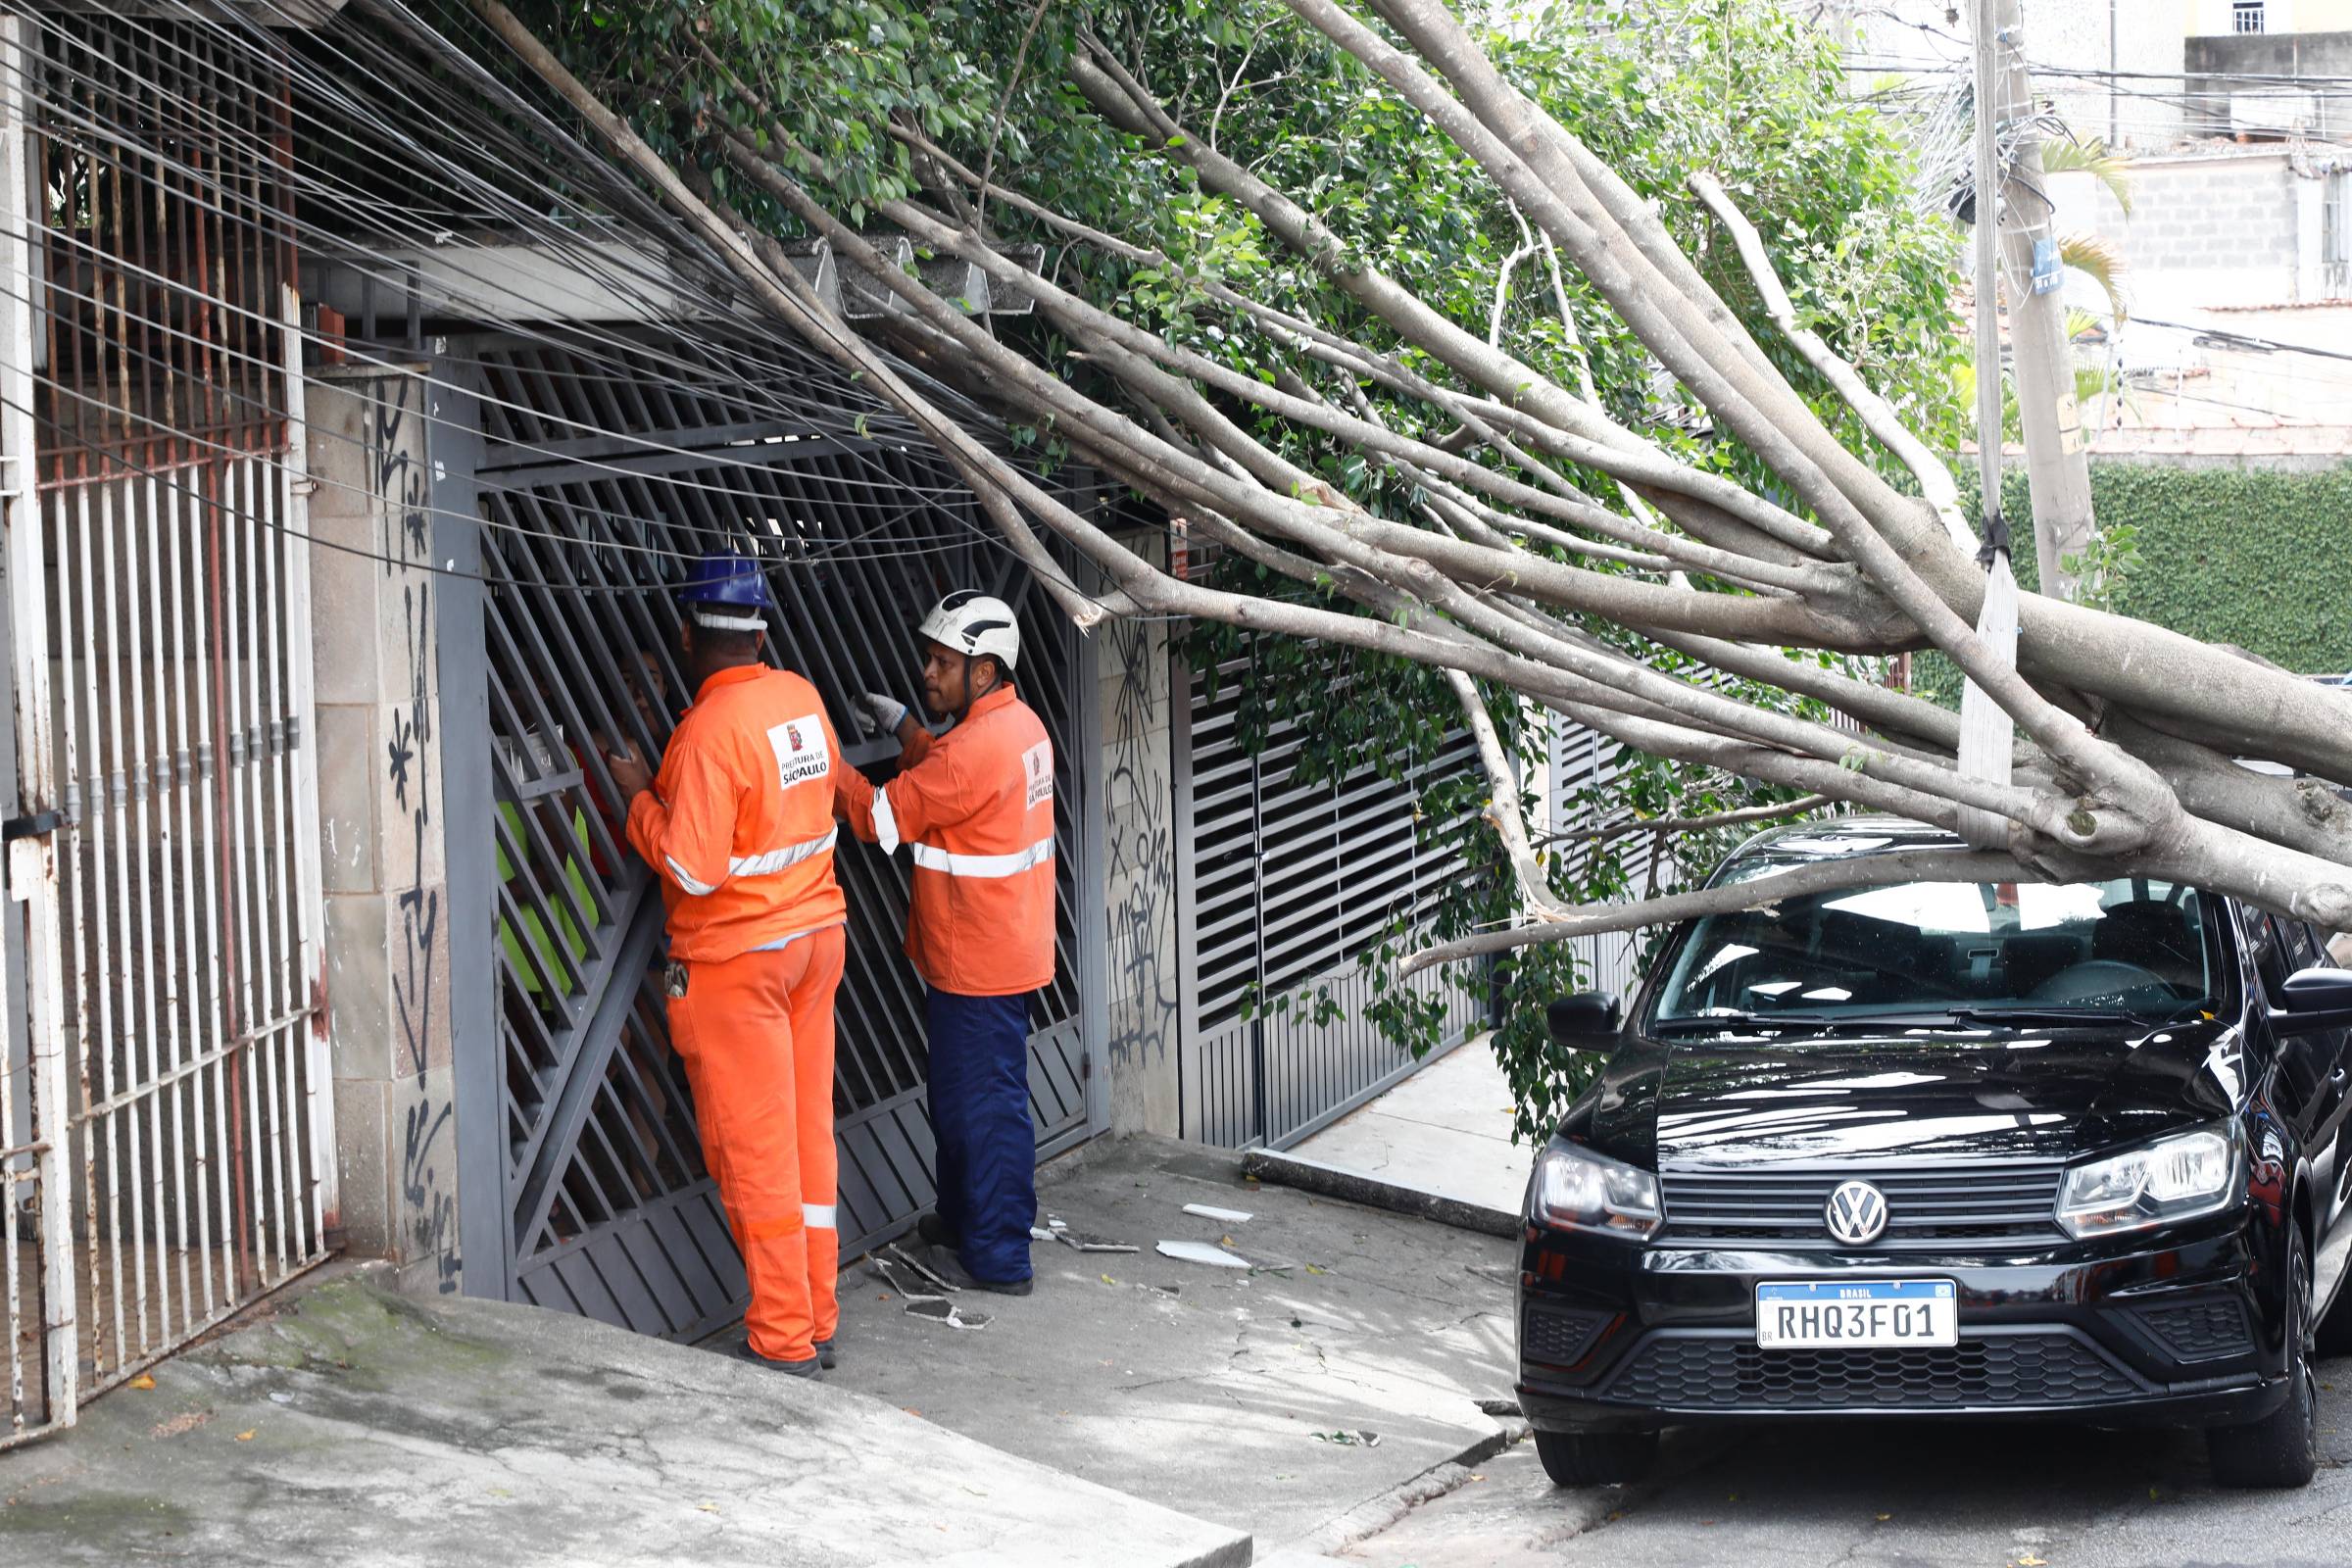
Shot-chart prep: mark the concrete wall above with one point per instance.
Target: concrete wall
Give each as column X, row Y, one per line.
column 2216, row 67
column 2228, row 240
column 387, row 943
column 1140, row 872
column 2225, row 226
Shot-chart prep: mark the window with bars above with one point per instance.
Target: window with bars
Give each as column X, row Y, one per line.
column 2246, row 16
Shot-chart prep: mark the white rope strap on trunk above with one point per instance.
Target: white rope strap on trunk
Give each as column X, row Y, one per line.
column 1988, row 734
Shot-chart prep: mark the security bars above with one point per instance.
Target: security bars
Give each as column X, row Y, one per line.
column 171, row 496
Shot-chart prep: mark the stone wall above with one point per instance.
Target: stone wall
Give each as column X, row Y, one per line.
column 387, row 941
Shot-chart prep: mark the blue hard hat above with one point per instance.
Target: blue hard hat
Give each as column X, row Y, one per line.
column 726, row 580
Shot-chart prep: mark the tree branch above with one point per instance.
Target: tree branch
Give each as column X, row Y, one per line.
column 1502, row 803
column 1628, row 827
column 1823, row 876
column 1935, row 479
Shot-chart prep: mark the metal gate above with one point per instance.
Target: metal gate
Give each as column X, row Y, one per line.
column 606, row 465
column 175, row 1160
column 1283, row 885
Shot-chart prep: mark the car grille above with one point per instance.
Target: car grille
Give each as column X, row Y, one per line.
column 1717, row 1372
column 2012, row 1203
column 1559, row 1335
column 2198, row 1330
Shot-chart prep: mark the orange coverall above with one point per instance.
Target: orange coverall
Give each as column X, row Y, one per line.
column 975, row 808
column 739, row 826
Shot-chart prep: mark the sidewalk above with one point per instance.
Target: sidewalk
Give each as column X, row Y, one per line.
column 1438, row 1145
column 356, row 1427
column 1246, row 1396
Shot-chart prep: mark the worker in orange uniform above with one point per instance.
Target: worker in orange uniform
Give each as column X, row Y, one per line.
column 975, row 809
column 739, row 826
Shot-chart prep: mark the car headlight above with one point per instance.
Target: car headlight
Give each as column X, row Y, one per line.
column 1578, row 1190
column 2172, row 1178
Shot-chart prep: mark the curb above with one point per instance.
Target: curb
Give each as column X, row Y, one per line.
column 1377, row 1513
column 1334, row 1181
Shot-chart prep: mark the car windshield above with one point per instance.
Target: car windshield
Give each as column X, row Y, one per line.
column 1950, row 949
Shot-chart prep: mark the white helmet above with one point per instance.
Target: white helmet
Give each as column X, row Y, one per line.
column 972, row 624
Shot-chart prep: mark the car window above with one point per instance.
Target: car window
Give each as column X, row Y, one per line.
column 2272, row 958
column 2134, row 943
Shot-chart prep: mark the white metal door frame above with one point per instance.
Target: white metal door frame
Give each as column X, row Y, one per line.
column 32, row 1171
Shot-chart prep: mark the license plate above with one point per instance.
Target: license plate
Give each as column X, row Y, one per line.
column 1861, row 1314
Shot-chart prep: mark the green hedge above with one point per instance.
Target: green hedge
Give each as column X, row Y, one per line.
column 2259, row 558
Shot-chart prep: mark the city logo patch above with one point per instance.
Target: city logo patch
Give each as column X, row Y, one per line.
column 802, row 755
column 1037, row 763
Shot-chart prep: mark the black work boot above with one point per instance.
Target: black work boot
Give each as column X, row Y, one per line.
column 950, row 1267
column 790, row 1369
column 825, row 1357
column 935, row 1232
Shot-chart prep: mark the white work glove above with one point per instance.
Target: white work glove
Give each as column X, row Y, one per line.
column 879, row 714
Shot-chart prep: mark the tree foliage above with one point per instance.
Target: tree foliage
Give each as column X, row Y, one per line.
column 1300, row 293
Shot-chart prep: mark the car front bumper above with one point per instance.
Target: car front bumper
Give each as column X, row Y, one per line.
column 2169, row 1331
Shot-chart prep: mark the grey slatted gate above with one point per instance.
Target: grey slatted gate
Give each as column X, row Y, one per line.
column 596, row 477
column 1284, row 885
column 1586, row 769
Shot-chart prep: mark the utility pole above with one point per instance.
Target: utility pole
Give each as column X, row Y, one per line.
column 1987, row 734
column 2057, row 470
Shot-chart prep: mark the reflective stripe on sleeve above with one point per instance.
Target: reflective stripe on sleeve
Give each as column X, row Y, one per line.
column 885, row 822
column 934, row 859
column 699, row 889
column 777, row 859
column 818, row 1216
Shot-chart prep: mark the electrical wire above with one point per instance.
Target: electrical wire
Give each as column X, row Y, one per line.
column 224, row 194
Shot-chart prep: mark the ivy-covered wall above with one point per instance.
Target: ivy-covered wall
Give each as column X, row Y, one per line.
column 2259, row 558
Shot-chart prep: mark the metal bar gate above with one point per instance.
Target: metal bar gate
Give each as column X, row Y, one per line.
column 604, row 465
column 173, row 1159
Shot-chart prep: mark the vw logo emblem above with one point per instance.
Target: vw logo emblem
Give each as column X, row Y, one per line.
column 1857, row 1214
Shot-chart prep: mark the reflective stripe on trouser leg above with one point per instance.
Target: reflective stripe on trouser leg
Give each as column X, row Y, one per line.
column 814, row 978
column 733, row 1030
column 979, row 1093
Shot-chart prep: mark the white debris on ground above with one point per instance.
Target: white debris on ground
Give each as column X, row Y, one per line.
column 1202, row 1252
column 1093, row 1244
column 1229, row 1216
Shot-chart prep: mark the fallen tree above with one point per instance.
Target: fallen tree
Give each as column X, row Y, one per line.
column 1550, row 542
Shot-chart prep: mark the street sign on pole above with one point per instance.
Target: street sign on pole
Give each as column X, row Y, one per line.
column 2045, row 266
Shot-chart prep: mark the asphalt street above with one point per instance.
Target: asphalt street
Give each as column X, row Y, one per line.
column 1882, row 1494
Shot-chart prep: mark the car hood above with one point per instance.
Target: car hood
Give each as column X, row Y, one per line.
column 2002, row 1094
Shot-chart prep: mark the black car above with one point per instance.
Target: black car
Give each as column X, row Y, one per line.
column 1949, row 1149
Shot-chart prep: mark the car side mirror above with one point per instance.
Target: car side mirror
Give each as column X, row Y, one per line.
column 2310, row 1001
column 1586, row 1022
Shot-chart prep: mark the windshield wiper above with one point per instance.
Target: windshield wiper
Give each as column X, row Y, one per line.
column 2050, row 1016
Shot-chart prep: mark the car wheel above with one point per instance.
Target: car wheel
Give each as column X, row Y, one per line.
column 2282, row 1448
column 1595, row 1458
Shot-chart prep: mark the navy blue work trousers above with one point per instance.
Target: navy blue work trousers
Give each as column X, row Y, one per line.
column 980, row 1116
